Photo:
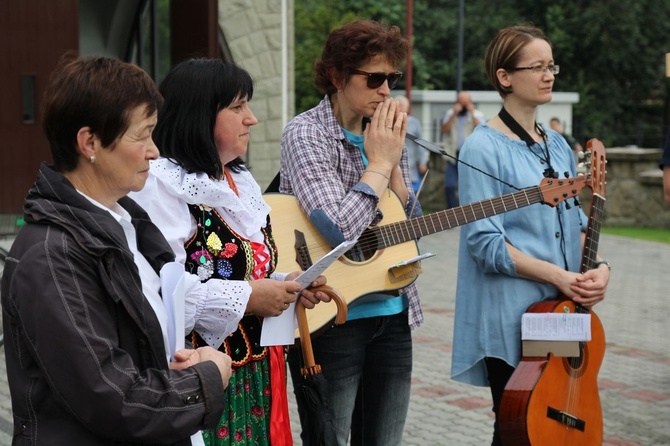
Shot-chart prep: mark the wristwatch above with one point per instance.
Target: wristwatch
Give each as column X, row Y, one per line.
column 603, row 262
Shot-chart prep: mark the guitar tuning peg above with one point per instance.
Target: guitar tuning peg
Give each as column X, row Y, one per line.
column 580, row 154
column 577, row 203
column 567, row 205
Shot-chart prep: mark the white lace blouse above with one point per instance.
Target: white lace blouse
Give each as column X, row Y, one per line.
column 213, row 308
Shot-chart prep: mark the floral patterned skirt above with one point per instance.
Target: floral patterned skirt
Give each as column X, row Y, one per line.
column 246, row 418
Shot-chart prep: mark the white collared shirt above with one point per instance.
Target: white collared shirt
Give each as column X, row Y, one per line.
column 150, row 280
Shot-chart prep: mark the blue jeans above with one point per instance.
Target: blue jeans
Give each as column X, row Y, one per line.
column 451, row 184
column 368, row 366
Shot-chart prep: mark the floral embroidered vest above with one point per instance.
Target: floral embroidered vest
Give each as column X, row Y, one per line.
column 216, row 251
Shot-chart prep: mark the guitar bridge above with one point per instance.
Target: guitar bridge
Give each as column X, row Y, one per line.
column 566, row 419
column 302, row 256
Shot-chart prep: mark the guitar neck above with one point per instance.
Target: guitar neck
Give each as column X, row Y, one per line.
column 593, row 233
column 414, row 228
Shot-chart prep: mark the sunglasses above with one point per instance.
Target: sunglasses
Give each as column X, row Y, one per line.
column 376, row 80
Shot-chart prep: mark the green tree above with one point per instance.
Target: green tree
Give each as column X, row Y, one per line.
column 610, row 52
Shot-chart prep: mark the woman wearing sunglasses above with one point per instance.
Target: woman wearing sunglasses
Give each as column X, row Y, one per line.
column 338, row 159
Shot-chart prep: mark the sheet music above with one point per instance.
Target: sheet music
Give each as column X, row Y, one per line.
column 556, row 327
column 280, row 330
column 172, row 290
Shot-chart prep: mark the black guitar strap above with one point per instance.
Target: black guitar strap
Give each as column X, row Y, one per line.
column 519, row 131
column 274, row 184
column 549, row 172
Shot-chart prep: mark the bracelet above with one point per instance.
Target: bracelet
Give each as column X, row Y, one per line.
column 378, row 173
column 603, row 262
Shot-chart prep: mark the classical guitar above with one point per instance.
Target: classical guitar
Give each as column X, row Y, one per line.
column 381, row 247
column 554, row 400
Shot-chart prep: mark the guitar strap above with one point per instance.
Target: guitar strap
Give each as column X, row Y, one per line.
column 549, row 172
column 519, row 131
column 274, row 184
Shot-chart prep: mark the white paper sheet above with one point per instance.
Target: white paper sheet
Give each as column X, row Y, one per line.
column 172, row 290
column 556, row 327
column 280, row 330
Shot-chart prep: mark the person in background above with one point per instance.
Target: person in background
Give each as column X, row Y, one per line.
column 339, row 159
column 417, row 155
column 665, row 167
column 457, row 124
column 512, row 260
column 210, row 209
column 557, row 126
column 84, row 323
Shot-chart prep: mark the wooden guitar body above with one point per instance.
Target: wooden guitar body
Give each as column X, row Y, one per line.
column 352, row 278
column 381, row 247
column 552, row 400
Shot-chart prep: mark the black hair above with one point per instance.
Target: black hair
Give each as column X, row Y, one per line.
column 195, row 91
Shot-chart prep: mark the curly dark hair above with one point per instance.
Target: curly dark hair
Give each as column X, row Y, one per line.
column 353, row 45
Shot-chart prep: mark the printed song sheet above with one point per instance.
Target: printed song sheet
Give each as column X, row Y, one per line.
column 556, row 327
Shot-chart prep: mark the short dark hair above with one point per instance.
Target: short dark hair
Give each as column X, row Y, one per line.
column 95, row 92
column 354, row 44
column 195, row 91
column 504, row 51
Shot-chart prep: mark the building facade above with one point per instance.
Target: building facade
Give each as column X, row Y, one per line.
column 35, row 34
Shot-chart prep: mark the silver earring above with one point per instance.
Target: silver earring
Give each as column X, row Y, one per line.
column 92, row 158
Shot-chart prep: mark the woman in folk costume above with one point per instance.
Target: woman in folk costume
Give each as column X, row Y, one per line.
column 212, row 213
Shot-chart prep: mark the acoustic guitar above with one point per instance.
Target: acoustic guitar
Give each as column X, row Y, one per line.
column 554, row 400
column 368, row 266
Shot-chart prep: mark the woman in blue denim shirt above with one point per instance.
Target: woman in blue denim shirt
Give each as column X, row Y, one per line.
column 512, row 260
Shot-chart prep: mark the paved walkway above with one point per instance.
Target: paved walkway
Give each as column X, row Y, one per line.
column 634, row 379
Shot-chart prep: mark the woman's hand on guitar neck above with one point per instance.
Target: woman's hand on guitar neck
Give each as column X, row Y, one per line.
column 590, row 287
column 585, row 289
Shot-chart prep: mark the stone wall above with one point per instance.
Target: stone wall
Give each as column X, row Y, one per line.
column 254, row 34
column 634, row 190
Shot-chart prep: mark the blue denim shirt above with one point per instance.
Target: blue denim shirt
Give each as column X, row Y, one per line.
column 490, row 297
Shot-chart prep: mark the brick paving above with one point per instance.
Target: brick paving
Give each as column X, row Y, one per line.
column 634, row 379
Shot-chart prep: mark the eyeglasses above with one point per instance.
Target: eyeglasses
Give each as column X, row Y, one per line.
column 376, row 80
column 537, row 69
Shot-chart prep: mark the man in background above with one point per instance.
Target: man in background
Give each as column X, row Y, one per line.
column 557, row 126
column 457, row 124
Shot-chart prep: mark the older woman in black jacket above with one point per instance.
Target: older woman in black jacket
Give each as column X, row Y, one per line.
column 84, row 321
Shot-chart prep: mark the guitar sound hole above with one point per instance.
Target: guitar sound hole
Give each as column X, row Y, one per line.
column 367, row 246
column 577, row 366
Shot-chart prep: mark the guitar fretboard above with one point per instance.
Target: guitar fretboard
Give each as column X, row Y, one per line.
column 593, row 233
column 414, row 228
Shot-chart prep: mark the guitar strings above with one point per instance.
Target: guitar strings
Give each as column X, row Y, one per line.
column 589, row 260
column 414, row 228
column 411, row 229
